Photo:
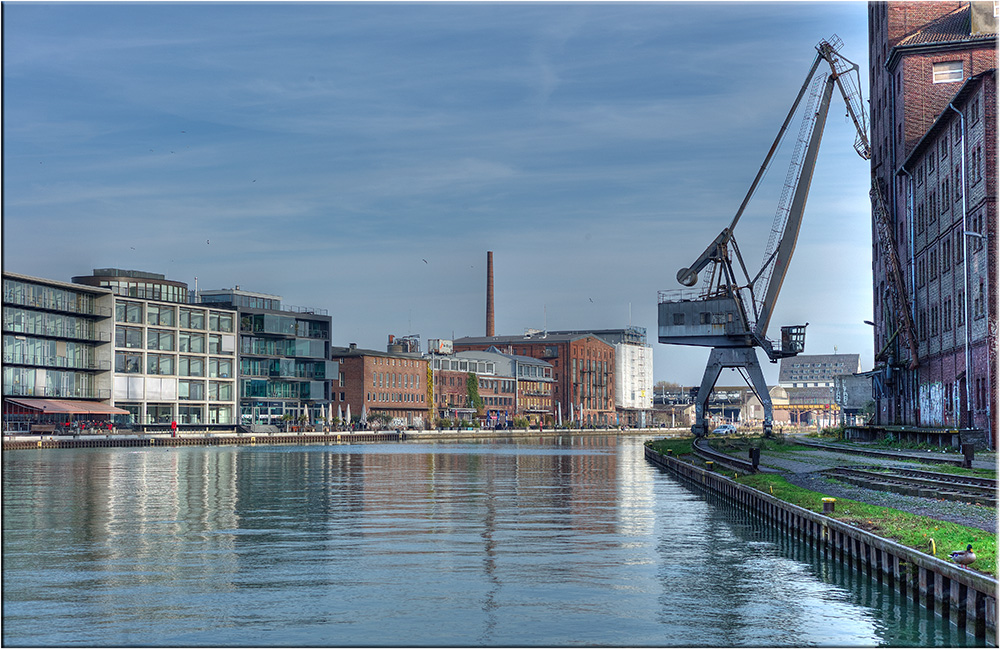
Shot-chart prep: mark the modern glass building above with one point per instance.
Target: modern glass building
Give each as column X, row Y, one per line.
column 56, row 352
column 285, row 371
column 173, row 361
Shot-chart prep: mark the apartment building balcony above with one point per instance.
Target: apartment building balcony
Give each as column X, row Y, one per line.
column 53, row 330
column 56, row 305
column 60, row 362
column 56, row 392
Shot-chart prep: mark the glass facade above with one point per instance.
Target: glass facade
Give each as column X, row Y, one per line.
column 55, row 342
column 165, row 353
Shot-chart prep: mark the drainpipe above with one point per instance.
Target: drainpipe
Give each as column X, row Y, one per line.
column 965, row 268
column 913, row 383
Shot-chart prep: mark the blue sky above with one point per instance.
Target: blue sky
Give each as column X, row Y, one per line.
column 323, row 152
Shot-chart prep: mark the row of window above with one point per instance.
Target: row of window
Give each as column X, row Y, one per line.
column 168, row 341
column 288, row 347
column 395, row 380
column 169, row 316
column 164, row 413
column 47, row 297
column 939, row 318
column 30, row 381
column 41, row 323
column 170, row 365
column 941, row 258
column 394, row 397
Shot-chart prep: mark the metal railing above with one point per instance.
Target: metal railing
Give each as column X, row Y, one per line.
column 14, row 358
column 56, row 392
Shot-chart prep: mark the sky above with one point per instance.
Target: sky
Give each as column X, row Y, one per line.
column 363, row 158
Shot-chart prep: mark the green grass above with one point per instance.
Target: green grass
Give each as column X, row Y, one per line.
column 911, row 530
column 677, row 445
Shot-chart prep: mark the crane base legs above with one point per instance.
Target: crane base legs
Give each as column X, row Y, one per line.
column 731, row 357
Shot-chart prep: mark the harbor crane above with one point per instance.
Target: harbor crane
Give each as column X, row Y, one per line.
column 731, row 312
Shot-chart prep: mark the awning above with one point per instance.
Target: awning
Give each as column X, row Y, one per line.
column 63, row 406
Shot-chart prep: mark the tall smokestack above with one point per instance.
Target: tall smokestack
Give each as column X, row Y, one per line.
column 489, row 294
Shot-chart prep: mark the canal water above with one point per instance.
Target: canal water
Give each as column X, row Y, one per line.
column 549, row 542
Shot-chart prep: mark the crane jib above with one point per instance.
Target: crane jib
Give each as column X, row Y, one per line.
column 718, row 316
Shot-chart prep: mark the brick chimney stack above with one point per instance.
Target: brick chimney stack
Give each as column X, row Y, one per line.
column 489, row 294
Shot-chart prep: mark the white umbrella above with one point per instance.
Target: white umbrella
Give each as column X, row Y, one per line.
column 340, row 414
column 364, row 415
column 570, row 410
column 560, row 412
column 348, row 414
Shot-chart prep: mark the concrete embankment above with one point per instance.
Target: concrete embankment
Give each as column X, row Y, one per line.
column 24, row 442
column 12, row 443
column 962, row 596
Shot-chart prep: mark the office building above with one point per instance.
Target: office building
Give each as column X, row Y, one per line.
column 285, row 372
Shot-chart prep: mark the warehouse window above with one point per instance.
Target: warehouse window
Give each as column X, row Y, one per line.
column 947, row 71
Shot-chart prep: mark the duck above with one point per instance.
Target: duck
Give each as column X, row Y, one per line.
column 964, row 557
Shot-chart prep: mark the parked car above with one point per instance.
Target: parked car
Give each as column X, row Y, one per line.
column 725, row 429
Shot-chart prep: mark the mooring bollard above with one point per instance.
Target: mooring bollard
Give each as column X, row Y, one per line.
column 710, row 465
column 969, row 451
column 828, row 504
column 755, row 458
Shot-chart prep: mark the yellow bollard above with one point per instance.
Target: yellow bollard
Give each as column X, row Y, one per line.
column 933, row 547
column 710, row 465
column 828, row 505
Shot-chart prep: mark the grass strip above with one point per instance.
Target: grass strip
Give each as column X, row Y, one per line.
column 911, row 530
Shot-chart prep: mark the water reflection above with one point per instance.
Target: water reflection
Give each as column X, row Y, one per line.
column 555, row 542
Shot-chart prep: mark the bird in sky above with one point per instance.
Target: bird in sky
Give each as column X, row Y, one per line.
column 207, row 242
column 425, row 261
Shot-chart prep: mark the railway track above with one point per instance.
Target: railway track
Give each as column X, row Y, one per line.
column 952, row 459
column 925, row 484
column 702, row 449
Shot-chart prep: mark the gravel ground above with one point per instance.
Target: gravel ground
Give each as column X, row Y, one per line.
column 803, row 469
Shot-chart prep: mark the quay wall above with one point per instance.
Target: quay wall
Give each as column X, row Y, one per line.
column 25, row 442
column 208, row 439
column 964, row 597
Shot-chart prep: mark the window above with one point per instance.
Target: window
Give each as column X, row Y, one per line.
column 947, row 71
column 191, row 366
column 191, row 390
column 194, row 343
column 161, row 340
column 128, row 337
column 159, row 364
column 192, row 318
column 160, row 315
column 220, row 367
column 128, row 363
column 128, row 312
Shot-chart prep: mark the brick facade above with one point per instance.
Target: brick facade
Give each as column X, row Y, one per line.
column 583, row 367
column 382, row 382
column 937, row 172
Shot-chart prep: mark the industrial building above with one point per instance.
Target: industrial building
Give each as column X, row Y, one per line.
column 583, row 367
column 933, row 107
column 633, row 372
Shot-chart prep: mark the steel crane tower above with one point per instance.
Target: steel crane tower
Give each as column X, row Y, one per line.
column 731, row 312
